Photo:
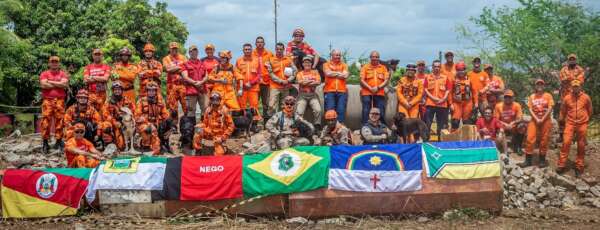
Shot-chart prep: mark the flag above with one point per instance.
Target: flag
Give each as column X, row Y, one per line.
column 461, row 160
column 171, row 189
column 376, row 168
column 43, row 192
column 290, row 170
column 138, row 173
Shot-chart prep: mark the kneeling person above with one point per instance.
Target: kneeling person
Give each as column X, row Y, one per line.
column 217, row 125
column 80, row 153
column 281, row 126
column 489, row 127
column 334, row 133
column 375, row 131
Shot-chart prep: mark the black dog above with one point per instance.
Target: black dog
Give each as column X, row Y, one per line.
column 243, row 122
column 303, row 130
column 186, row 128
column 405, row 127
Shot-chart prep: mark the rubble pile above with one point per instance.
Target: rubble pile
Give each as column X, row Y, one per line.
column 26, row 152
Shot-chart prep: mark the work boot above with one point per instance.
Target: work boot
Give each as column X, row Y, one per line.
column 45, row 147
column 560, row 170
column 60, row 145
column 318, row 128
column 527, row 161
column 542, row 163
column 578, row 172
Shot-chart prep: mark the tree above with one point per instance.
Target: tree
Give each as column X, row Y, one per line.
column 533, row 40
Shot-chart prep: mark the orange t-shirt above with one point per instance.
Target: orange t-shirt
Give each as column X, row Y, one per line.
column 449, row 71
column 437, row 86
column 179, row 60
column 540, row 104
column 334, row 84
column 81, row 144
column 409, row 90
column 508, row 114
column 279, row 64
column 127, row 73
column 219, row 73
column 262, row 58
column 308, row 75
column 479, row 80
column 576, row 110
column 373, row 75
column 247, row 71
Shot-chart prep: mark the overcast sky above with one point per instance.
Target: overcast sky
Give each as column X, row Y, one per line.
column 407, row 30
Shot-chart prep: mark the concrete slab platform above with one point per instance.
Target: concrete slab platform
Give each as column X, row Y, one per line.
column 266, row 206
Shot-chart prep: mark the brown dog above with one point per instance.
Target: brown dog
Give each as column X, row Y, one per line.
column 404, row 128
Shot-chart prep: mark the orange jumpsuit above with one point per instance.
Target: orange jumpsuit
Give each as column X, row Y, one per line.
column 97, row 90
column 75, row 160
column 227, row 91
column 539, row 104
column 150, row 142
column 576, row 112
column 72, row 115
column 463, row 98
column 53, row 105
column 126, row 73
column 152, row 70
column 118, row 141
column 409, row 90
column 567, row 75
column 175, row 86
column 216, row 124
column 111, row 112
column 153, row 113
column 247, row 71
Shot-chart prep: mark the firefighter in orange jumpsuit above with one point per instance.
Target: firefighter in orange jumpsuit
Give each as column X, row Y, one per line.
column 149, row 141
column 176, row 71
column 112, row 111
column 106, row 133
column 126, row 73
column 217, row 125
column 464, row 98
column 540, row 107
column 223, row 80
column 155, row 112
column 410, row 93
column 572, row 71
column 149, row 70
column 248, row 88
column 81, row 153
column 575, row 112
column 53, row 83
column 82, row 112
column 95, row 76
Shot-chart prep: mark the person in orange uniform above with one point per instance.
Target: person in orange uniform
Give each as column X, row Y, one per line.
column 150, row 70
column 308, row 79
column 479, row 81
column 374, row 76
column 126, row 73
column 575, row 112
column 280, row 82
column 209, row 62
column 81, row 153
column 246, row 70
column 540, row 107
column 95, row 76
column 53, row 83
column 437, row 92
column 464, row 98
column 448, row 68
column 494, row 88
column 195, row 83
column 107, row 135
column 154, row 110
column 223, row 79
column 176, row 71
column 421, row 75
column 510, row 115
column 112, row 111
column 336, row 93
column 299, row 43
column 572, row 71
column 149, row 141
column 262, row 57
column 410, row 93
column 82, row 112
column 217, row 125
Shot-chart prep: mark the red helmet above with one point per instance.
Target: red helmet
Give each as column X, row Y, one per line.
column 460, row 66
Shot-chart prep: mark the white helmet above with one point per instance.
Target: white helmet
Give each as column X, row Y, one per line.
column 288, row 71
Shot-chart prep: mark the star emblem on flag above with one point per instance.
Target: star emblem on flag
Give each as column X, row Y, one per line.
column 436, row 155
column 375, row 160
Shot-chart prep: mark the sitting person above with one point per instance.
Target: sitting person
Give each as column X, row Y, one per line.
column 489, row 127
column 281, row 126
column 148, row 136
column 375, row 131
column 334, row 132
column 80, row 152
column 217, row 125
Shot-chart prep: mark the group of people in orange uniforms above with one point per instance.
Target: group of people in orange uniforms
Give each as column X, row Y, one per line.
column 258, row 85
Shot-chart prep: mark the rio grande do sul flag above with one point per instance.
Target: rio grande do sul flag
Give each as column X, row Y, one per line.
column 290, row 170
column 376, row 168
column 461, row 160
column 30, row 193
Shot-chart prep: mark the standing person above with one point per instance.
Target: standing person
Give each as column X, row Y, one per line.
column 448, row 69
column 126, row 73
column 246, row 69
column 195, row 83
column 217, row 125
column 479, row 81
column 308, row 79
column 437, row 90
column 494, row 89
column 299, row 44
column 79, row 152
column 410, row 93
column 176, row 71
column 150, row 70
column 510, row 114
column 223, row 81
column 209, row 62
column 375, row 131
column 374, row 76
column 262, row 57
column 53, row 82
column 575, row 112
column 464, row 98
column 572, row 71
column 421, row 75
column 95, row 76
column 280, row 82
column 540, row 107
column 336, row 93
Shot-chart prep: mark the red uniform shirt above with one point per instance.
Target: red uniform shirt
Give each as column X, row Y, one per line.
column 305, row 47
column 53, row 76
column 196, row 72
column 96, row 70
column 492, row 126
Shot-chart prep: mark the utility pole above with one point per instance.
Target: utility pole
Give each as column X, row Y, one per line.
column 275, row 22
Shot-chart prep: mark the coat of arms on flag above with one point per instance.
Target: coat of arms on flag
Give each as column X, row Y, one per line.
column 378, row 168
column 123, row 165
column 461, row 160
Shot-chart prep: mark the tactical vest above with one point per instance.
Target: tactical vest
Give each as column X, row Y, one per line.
column 376, row 131
column 462, row 91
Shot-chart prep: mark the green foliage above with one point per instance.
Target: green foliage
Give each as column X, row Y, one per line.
column 532, row 41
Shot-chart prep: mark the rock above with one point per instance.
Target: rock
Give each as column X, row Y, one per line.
column 297, row 220
column 248, row 145
column 23, row 147
column 516, row 172
column 258, row 139
column 595, row 190
column 11, row 157
column 266, row 147
column 336, row 221
column 529, row 197
column 422, row 219
column 581, row 186
column 565, row 182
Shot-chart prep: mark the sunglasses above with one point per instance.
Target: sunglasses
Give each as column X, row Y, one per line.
column 79, row 131
column 375, row 113
column 289, row 103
